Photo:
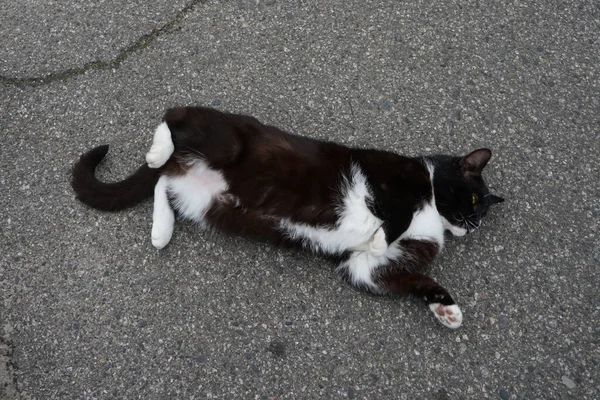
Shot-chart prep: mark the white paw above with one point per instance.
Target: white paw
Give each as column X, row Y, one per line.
column 378, row 246
column 159, row 154
column 162, row 230
column 449, row 316
column 162, row 147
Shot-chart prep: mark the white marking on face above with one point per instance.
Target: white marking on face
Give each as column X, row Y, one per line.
column 162, row 147
column 355, row 227
column 163, row 218
column 431, row 168
column 194, row 192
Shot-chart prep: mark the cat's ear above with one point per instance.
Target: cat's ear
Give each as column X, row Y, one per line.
column 472, row 164
column 493, row 199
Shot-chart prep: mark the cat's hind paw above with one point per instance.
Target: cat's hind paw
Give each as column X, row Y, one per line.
column 161, row 233
column 159, row 154
column 163, row 218
column 162, row 147
column 449, row 316
column 378, row 245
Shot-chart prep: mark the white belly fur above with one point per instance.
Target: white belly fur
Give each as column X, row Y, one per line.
column 194, row 192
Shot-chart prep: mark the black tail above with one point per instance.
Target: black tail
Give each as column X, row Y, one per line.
column 111, row 196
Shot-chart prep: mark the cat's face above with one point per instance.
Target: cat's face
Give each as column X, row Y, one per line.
column 461, row 195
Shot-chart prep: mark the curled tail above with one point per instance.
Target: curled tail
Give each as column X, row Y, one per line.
column 111, row 196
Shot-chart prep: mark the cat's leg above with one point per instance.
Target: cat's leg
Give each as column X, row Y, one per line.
column 397, row 272
column 438, row 299
column 203, row 134
column 162, row 147
column 163, row 218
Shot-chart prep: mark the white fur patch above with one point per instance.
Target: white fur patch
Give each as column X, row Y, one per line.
column 361, row 264
column 449, row 316
column 378, row 245
column 194, row 192
column 355, row 227
column 456, row 230
column 163, row 218
column 426, row 225
column 162, row 147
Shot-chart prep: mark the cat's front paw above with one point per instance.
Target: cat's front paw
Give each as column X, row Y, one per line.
column 378, row 245
column 449, row 316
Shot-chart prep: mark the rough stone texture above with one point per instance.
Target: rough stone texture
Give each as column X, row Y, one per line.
column 8, row 388
column 93, row 311
column 41, row 37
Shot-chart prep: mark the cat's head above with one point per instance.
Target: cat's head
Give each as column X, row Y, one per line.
column 461, row 195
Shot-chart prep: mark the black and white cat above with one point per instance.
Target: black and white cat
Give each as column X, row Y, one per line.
column 380, row 214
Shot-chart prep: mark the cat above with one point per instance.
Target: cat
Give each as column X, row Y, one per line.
column 381, row 215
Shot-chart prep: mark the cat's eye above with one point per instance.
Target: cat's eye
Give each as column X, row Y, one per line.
column 474, row 199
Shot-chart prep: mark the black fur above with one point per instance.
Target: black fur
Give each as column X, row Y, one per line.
column 455, row 182
column 110, row 196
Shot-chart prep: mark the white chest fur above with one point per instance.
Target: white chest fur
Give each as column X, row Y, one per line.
column 194, row 192
column 356, row 224
column 426, row 225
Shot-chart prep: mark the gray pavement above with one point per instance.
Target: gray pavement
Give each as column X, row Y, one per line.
column 90, row 310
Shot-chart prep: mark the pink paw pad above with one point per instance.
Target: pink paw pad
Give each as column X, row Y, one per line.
column 449, row 316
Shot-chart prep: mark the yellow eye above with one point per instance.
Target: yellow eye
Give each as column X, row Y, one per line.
column 475, row 198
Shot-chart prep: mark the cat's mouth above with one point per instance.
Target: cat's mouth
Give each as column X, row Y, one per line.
column 470, row 222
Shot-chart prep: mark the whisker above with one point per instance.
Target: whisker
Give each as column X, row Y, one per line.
column 471, row 224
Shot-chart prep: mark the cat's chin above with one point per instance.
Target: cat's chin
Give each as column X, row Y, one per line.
column 455, row 230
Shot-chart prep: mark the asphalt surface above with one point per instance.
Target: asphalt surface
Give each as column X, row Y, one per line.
column 90, row 310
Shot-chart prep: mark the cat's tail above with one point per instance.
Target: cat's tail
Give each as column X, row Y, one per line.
column 111, row 196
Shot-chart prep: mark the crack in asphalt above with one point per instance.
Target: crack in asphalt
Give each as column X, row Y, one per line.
column 141, row 43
